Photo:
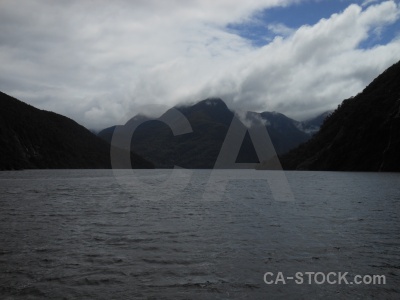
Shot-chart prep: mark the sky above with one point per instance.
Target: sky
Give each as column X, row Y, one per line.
column 102, row 62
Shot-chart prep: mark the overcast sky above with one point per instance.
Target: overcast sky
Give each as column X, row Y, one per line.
column 101, row 62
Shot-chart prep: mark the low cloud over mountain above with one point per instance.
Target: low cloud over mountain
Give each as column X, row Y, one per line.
column 100, row 63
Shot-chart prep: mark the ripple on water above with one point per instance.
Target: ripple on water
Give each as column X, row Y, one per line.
column 80, row 235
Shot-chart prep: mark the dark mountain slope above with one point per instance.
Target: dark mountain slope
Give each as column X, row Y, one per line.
column 362, row 134
column 284, row 132
column 154, row 140
column 210, row 120
column 313, row 125
column 32, row 138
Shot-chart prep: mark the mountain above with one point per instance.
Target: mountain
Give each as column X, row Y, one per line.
column 285, row 133
column 199, row 147
column 362, row 134
column 36, row 139
column 209, row 122
column 313, row 125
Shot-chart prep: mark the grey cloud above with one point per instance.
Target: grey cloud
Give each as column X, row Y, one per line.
column 103, row 64
column 317, row 67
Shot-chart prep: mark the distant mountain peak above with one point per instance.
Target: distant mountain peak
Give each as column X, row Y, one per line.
column 206, row 103
column 212, row 102
column 210, row 120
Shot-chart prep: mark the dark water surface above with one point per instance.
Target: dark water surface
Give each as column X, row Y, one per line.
column 83, row 234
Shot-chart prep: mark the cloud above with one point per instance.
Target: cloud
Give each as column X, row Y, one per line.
column 280, row 29
column 101, row 64
column 367, row 2
column 314, row 68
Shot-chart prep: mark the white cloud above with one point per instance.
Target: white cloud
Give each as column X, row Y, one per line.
column 367, row 2
column 313, row 69
column 99, row 64
column 280, row 29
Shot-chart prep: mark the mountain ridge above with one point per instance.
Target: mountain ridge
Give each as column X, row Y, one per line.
column 362, row 134
column 210, row 119
column 31, row 138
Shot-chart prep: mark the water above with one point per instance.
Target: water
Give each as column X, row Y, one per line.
column 83, row 234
